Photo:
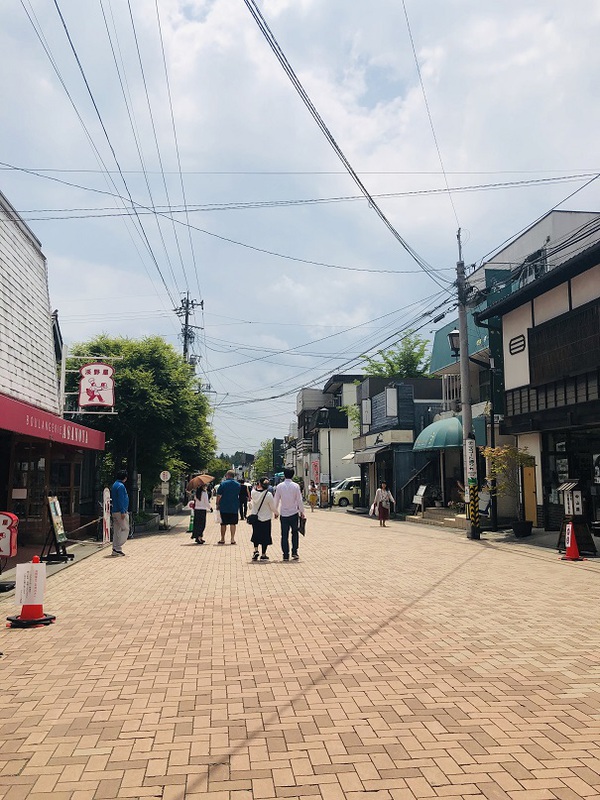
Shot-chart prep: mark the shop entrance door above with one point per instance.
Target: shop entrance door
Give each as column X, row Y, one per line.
column 529, row 495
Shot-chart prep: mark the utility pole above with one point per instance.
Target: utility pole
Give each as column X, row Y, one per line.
column 469, row 444
column 187, row 331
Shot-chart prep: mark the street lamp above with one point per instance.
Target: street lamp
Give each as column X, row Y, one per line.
column 324, row 417
column 454, row 342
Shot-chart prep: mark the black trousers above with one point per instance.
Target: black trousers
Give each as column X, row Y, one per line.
column 289, row 524
column 199, row 522
column 243, row 507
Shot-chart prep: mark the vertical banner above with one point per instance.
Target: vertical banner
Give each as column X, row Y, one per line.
column 30, row 584
column 106, row 516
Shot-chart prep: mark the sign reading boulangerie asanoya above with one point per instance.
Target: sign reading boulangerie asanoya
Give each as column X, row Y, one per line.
column 96, row 385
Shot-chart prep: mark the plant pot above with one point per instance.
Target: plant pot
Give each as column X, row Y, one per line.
column 522, row 528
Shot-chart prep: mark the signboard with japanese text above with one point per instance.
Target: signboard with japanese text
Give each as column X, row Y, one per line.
column 96, row 385
column 30, row 584
column 471, row 461
column 57, row 520
column 314, row 470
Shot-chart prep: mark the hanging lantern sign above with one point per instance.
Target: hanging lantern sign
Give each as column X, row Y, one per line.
column 96, row 385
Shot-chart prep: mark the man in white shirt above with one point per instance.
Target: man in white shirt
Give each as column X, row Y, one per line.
column 289, row 505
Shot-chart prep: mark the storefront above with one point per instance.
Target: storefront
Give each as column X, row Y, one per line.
column 42, row 454
column 571, row 455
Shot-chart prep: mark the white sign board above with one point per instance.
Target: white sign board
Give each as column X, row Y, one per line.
column 577, row 503
column 164, row 488
column 165, row 475
column 568, row 503
column 106, row 516
column 30, row 584
column 96, row 385
column 471, row 460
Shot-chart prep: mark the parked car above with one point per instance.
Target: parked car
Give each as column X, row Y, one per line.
column 342, row 494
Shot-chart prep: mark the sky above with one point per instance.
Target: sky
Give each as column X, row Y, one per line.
column 158, row 147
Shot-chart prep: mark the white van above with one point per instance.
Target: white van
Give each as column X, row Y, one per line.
column 342, row 494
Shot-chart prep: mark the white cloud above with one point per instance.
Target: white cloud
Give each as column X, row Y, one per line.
column 512, row 91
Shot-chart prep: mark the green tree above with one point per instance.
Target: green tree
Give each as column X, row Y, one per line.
column 263, row 460
column 162, row 419
column 217, row 467
column 408, row 359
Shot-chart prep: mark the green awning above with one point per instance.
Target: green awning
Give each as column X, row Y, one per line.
column 447, row 433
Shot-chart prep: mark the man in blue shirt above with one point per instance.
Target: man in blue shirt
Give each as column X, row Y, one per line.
column 120, row 507
column 228, row 504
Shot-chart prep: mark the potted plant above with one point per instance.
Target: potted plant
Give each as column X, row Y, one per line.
column 505, row 464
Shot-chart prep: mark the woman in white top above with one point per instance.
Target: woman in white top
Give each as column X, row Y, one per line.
column 263, row 506
column 383, row 498
column 201, row 506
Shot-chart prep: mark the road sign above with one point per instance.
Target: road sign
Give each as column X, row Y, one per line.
column 164, row 488
column 165, row 475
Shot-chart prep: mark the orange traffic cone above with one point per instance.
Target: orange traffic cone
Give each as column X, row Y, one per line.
column 32, row 615
column 572, row 553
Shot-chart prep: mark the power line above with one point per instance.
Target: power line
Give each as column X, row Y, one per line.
column 110, row 145
column 274, row 45
column 431, row 125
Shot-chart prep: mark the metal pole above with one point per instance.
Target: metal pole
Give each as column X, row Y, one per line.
column 469, row 447
column 329, row 503
column 493, row 486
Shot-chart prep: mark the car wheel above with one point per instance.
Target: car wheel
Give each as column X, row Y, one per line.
column 343, row 502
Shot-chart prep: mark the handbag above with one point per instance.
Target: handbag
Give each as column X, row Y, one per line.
column 252, row 518
column 302, row 526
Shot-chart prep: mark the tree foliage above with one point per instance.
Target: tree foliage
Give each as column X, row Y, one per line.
column 218, row 466
column 162, row 421
column 505, row 462
column 263, row 459
column 408, row 359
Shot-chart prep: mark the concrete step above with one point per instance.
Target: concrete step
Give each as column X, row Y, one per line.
column 458, row 523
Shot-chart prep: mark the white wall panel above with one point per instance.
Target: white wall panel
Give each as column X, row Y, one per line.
column 27, row 360
column 586, row 287
column 551, row 304
column 515, row 325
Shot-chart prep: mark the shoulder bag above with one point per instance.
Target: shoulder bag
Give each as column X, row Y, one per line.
column 252, row 518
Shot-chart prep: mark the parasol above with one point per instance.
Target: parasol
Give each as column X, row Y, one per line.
column 197, row 480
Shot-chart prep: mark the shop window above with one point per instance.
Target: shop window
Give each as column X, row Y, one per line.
column 533, row 405
column 593, row 386
column 582, row 395
column 570, row 395
column 29, row 481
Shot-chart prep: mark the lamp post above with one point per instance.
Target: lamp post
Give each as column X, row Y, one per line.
column 324, row 416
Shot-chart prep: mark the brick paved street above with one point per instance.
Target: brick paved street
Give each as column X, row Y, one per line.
column 399, row 663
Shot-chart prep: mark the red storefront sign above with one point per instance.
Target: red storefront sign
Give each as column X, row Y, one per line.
column 20, row 417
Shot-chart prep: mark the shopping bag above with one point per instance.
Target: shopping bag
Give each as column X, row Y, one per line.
column 373, row 511
column 217, row 517
column 302, row 526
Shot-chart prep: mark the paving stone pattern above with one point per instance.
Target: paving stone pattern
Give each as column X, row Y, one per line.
column 384, row 665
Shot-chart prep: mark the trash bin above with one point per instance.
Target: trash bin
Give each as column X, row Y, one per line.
column 355, row 500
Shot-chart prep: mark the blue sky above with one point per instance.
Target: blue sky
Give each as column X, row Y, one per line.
column 511, row 88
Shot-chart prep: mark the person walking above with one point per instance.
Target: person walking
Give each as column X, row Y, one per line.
column 120, row 515
column 289, row 506
column 383, row 499
column 312, row 496
column 263, row 506
column 244, row 497
column 201, row 506
column 228, row 505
